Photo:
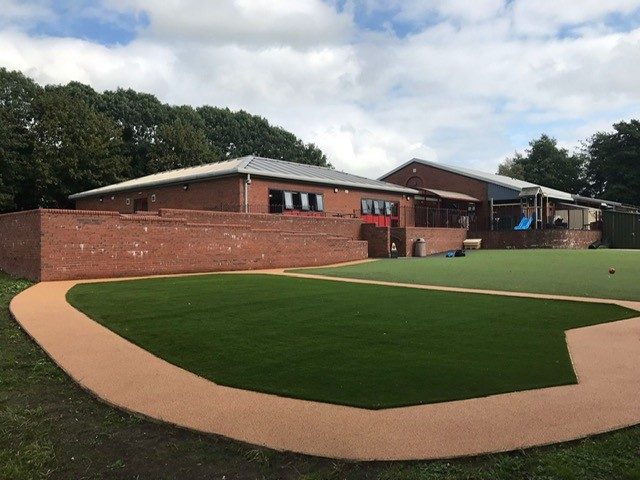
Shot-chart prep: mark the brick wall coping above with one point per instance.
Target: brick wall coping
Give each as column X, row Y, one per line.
column 165, row 211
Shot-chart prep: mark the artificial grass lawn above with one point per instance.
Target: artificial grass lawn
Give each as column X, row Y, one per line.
column 364, row 345
column 561, row 272
column 52, row 429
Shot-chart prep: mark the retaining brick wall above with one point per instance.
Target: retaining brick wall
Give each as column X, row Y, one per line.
column 437, row 239
column 20, row 244
column 71, row 244
column 378, row 240
column 499, row 239
column 342, row 227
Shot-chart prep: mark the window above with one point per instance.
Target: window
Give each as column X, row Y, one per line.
column 276, row 201
column 379, row 207
column 280, row 200
column 288, row 200
column 297, row 203
column 304, row 201
column 140, row 205
column 319, row 206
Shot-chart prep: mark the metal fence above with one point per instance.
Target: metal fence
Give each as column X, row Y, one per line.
column 439, row 217
column 621, row 229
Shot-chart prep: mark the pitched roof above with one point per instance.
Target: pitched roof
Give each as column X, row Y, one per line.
column 258, row 166
column 501, row 180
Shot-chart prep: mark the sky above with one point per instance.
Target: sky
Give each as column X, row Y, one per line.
column 373, row 83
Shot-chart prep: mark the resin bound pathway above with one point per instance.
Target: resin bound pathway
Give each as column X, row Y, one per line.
column 605, row 359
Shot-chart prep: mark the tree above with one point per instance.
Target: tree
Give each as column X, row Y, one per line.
column 75, row 149
column 614, row 163
column 543, row 163
column 236, row 134
column 513, row 167
column 62, row 139
column 181, row 145
column 139, row 116
column 17, row 94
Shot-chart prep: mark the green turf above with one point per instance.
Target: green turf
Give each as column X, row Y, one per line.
column 562, row 272
column 53, row 430
column 363, row 345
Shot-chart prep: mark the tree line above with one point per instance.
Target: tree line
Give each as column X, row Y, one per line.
column 606, row 166
column 56, row 140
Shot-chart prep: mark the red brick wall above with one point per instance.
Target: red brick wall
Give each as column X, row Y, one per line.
column 70, row 244
column 342, row 227
column 378, row 240
column 537, row 238
column 437, row 239
column 20, row 244
column 439, row 179
column 224, row 191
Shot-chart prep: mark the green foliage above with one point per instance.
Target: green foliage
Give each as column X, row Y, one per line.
column 182, row 143
column 543, row 163
column 608, row 165
column 614, row 163
column 75, row 148
column 236, row 134
column 59, row 140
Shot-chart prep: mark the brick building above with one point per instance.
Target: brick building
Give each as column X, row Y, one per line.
column 496, row 202
column 258, row 185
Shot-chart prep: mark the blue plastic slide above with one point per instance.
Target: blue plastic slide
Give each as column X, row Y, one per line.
column 524, row 224
column 521, row 224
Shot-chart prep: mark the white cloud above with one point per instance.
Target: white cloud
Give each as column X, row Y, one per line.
column 453, row 91
column 545, row 17
column 299, row 23
column 18, row 12
column 463, row 10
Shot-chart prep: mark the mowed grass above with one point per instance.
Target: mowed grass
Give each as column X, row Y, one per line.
column 363, row 345
column 563, row 272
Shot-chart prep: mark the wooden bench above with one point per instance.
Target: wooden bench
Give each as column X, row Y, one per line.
column 472, row 243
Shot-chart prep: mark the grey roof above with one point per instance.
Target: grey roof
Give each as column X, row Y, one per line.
column 449, row 195
column 261, row 167
column 502, row 180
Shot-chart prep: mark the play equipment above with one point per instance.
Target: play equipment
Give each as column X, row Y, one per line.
column 525, row 223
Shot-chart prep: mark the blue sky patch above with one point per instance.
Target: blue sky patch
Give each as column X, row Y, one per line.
column 90, row 21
